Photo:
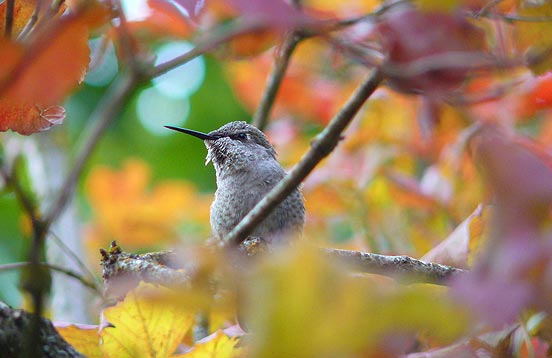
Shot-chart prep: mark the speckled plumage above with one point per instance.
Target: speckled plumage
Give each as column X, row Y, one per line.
column 246, row 170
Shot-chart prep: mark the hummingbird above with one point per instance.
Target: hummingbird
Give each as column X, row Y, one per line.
column 246, row 170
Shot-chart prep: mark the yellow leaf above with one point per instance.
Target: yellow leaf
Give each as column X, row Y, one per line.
column 533, row 36
column 145, row 324
column 438, row 5
column 299, row 297
column 85, row 339
column 220, row 346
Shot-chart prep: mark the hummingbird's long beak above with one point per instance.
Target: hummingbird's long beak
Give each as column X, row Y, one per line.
column 196, row 134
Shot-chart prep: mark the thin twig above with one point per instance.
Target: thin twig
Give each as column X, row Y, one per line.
column 260, row 118
column 8, row 23
column 75, row 257
column 104, row 114
column 27, row 204
column 220, row 35
column 522, row 18
column 509, row 17
column 125, row 38
column 487, row 7
column 50, row 13
column 31, row 22
column 452, row 60
column 320, row 148
column 67, row 272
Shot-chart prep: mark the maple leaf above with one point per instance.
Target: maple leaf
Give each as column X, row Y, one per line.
column 145, row 324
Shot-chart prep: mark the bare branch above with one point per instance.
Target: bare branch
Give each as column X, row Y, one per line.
column 13, row 336
column 452, row 60
column 13, row 339
column 26, row 203
column 31, row 22
column 151, row 267
column 104, row 114
column 8, row 23
column 125, row 38
column 67, row 272
column 260, row 119
column 75, row 257
column 122, row 271
column 320, row 148
column 402, row 267
column 219, row 35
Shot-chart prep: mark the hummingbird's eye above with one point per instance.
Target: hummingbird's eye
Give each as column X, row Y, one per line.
column 242, row 136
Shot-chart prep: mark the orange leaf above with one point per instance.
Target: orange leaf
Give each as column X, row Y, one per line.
column 43, row 73
column 135, row 216
column 85, row 339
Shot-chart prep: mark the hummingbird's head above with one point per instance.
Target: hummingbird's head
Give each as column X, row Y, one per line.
column 234, row 145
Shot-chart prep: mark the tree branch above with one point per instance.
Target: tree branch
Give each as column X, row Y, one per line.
column 31, row 22
column 281, row 63
column 153, row 268
column 408, row 268
column 123, row 271
column 220, row 35
column 8, row 22
column 13, row 341
column 104, row 114
column 320, row 148
column 27, row 203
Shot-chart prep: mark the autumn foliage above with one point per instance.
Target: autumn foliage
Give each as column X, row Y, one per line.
column 449, row 161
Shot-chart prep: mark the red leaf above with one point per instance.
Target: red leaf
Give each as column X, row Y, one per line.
column 422, row 50
column 277, row 13
column 512, row 273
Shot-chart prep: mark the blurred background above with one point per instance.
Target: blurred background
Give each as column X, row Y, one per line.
column 399, row 183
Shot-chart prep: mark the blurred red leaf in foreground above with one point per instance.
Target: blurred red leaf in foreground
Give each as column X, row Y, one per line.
column 277, row 13
column 425, row 50
column 514, row 270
